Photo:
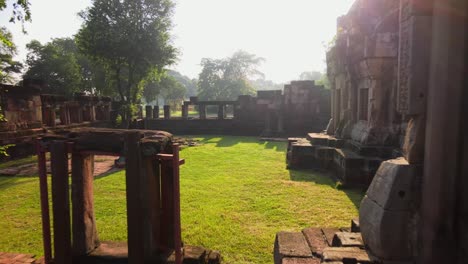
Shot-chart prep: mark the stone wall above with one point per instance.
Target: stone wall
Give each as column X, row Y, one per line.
column 396, row 72
column 29, row 113
column 302, row 107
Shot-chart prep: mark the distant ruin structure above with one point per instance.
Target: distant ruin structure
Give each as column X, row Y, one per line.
column 302, row 107
column 28, row 113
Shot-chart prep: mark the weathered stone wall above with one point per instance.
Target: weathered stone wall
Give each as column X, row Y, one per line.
column 362, row 67
column 379, row 70
column 302, row 107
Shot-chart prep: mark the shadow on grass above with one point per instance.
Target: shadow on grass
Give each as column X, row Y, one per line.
column 107, row 173
column 8, row 182
column 326, row 178
column 229, row 141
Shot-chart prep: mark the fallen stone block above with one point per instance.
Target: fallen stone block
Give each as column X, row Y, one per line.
column 329, row 233
column 301, row 261
column 316, row 240
column 355, row 226
column 346, row 254
column 290, row 244
column 345, row 239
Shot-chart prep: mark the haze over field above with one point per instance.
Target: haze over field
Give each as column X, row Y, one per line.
column 290, row 35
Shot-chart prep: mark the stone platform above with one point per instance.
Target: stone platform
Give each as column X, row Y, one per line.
column 352, row 163
column 321, row 245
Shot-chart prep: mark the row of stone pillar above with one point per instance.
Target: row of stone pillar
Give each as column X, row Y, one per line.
column 152, row 112
column 71, row 113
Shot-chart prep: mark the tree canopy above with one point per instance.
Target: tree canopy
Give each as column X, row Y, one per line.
column 65, row 70
column 226, row 79
column 21, row 12
column 8, row 66
column 131, row 39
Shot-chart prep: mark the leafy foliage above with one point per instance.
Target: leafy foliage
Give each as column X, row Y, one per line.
column 65, row 70
column 190, row 84
column 225, row 79
column 318, row 77
column 131, row 39
column 164, row 85
column 7, row 64
column 21, row 11
column 263, row 85
column 56, row 63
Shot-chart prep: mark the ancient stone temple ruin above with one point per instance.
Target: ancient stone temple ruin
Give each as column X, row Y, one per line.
column 28, row 113
column 398, row 76
column 302, row 107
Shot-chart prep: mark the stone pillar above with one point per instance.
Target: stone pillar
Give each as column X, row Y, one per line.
column 268, row 116
column 167, row 112
column 444, row 234
column 92, row 113
column 149, row 112
column 202, row 111
column 85, row 237
column 185, row 108
column 61, row 202
column 221, row 110
column 156, row 112
column 48, row 116
column 280, row 124
column 64, row 115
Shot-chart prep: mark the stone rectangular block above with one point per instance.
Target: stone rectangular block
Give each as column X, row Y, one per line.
column 290, row 244
column 393, row 187
column 413, row 64
column 329, row 233
column 301, row 261
column 355, row 227
column 316, row 240
column 385, row 232
column 347, row 239
column 342, row 254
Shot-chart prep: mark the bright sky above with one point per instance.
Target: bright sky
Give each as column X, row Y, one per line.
column 291, row 35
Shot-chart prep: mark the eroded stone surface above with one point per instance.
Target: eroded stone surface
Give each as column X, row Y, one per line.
column 316, row 240
column 348, row 239
column 291, row 244
column 301, row 261
column 342, row 254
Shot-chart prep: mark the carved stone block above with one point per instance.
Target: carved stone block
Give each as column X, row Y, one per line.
column 413, row 64
column 387, row 211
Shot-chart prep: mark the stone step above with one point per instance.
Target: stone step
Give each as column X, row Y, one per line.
column 347, row 239
column 324, row 153
column 320, row 139
column 300, row 261
column 291, row 245
column 329, row 233
column 316, row 240
column 346, row 254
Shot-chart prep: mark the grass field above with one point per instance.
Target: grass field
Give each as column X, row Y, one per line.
column 235, row 194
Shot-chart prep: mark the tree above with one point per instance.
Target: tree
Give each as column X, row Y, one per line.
column 21, row 13
column 312, row 76
column 190, row 84
column 8, row 66
column 131, row 39
column 263, row 85
column 164, row 85
column 60, row 65
column 226, row 79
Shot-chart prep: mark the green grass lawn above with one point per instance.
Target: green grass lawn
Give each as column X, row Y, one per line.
column 235, row 195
